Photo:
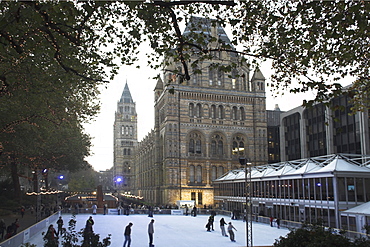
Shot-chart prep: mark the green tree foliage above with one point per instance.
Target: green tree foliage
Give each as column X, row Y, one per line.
column 55, row 55
column 317, row 236
column 83, row 180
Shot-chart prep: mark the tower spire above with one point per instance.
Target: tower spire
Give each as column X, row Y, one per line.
column 126, row 95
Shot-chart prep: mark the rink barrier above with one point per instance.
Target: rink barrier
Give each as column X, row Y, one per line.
column 23, row 236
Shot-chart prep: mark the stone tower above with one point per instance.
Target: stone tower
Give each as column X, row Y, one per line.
column 125, row 141
column 202, row 127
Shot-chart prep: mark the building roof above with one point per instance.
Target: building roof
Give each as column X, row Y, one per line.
column 327, row 165
column 126, row 95
column 361, row 209
column 257, row 75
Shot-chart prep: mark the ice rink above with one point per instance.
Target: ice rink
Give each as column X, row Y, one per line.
column 172, row 230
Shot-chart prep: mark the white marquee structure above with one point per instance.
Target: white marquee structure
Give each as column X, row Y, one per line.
column 306, row 190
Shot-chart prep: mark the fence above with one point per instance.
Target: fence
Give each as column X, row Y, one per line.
column 26, row 234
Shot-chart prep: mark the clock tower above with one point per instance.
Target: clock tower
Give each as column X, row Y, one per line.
column 125, row 141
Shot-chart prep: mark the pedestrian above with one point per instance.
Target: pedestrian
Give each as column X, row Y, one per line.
column 231, row 232
column 9, row 231
column 151, row 232
column 195, row 211
column 271, row 221
column 51, row 237
column 119, row 208
column 150, row 211
column 211, row 219
column 127, row 235
column 76, row 208
column 60, row 225
column 278, row 223
column 88, row 232
column 105, row 209
column 2, row 228
column 94, row 207
column 15, row 225
column 222, row 226
column 186, row 209
column 22, row 211
column 208, row 225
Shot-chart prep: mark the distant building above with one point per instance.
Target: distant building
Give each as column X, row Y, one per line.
column 315, row 131
column 273, row 134
column 202, row 128
column 125, row 141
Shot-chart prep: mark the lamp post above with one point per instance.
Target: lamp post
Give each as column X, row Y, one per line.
column 248, row 201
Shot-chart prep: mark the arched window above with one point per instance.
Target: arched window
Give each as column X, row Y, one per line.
column 213, row 112
column 198, row 146
column 242, row 114
column 199, row 174
column 191, row 110
column 220, row 171
column 217, row 145
column 211, row 75
column 213, row 147
column 238, row 146
column 128, row 151
column 124, row 151
column 221, row 112
column 220, row 147
column 191, row 146
column 213, row 173
column 220, row 78
column 191, row 174
column 195, row 143
column 234, row 113
column 199, row 110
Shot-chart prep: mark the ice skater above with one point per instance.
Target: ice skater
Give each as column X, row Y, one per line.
column 151, row 232
column 230, row 228
column 222, row 226
column 127, row 235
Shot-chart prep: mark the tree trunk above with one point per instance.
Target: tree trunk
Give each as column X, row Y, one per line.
column 15, row 179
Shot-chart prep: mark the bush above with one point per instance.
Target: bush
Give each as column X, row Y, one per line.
column 313, row 236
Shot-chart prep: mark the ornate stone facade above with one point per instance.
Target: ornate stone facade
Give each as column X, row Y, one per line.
column 201, row 130
column 125, row 141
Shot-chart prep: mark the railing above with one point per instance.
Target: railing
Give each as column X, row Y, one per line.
column 23, row 236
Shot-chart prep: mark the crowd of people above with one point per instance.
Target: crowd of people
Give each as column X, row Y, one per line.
column 8, row 231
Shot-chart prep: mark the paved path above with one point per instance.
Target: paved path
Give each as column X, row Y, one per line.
column 173, row 231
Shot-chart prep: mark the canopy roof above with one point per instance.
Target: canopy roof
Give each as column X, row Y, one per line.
column 361, row 209
column 328, row 164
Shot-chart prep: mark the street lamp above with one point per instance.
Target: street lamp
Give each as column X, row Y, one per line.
column 248, row 201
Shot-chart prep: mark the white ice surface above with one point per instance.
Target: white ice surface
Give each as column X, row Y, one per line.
column 172, row 231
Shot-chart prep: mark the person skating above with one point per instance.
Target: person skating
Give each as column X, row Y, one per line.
column 88, row 232
column 208, row 226
column 230, row 228
column 194, row 211
column 94, row 208
column 278, row 223
column 222, row 226
column 51, row 237
column 60, row 225
column 127, row 235
column 151, row 232
column 211, row 219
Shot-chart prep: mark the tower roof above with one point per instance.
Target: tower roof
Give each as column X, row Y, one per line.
column 159, row 84
column 126, row 95
column 257, row 75
column 205, row 28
